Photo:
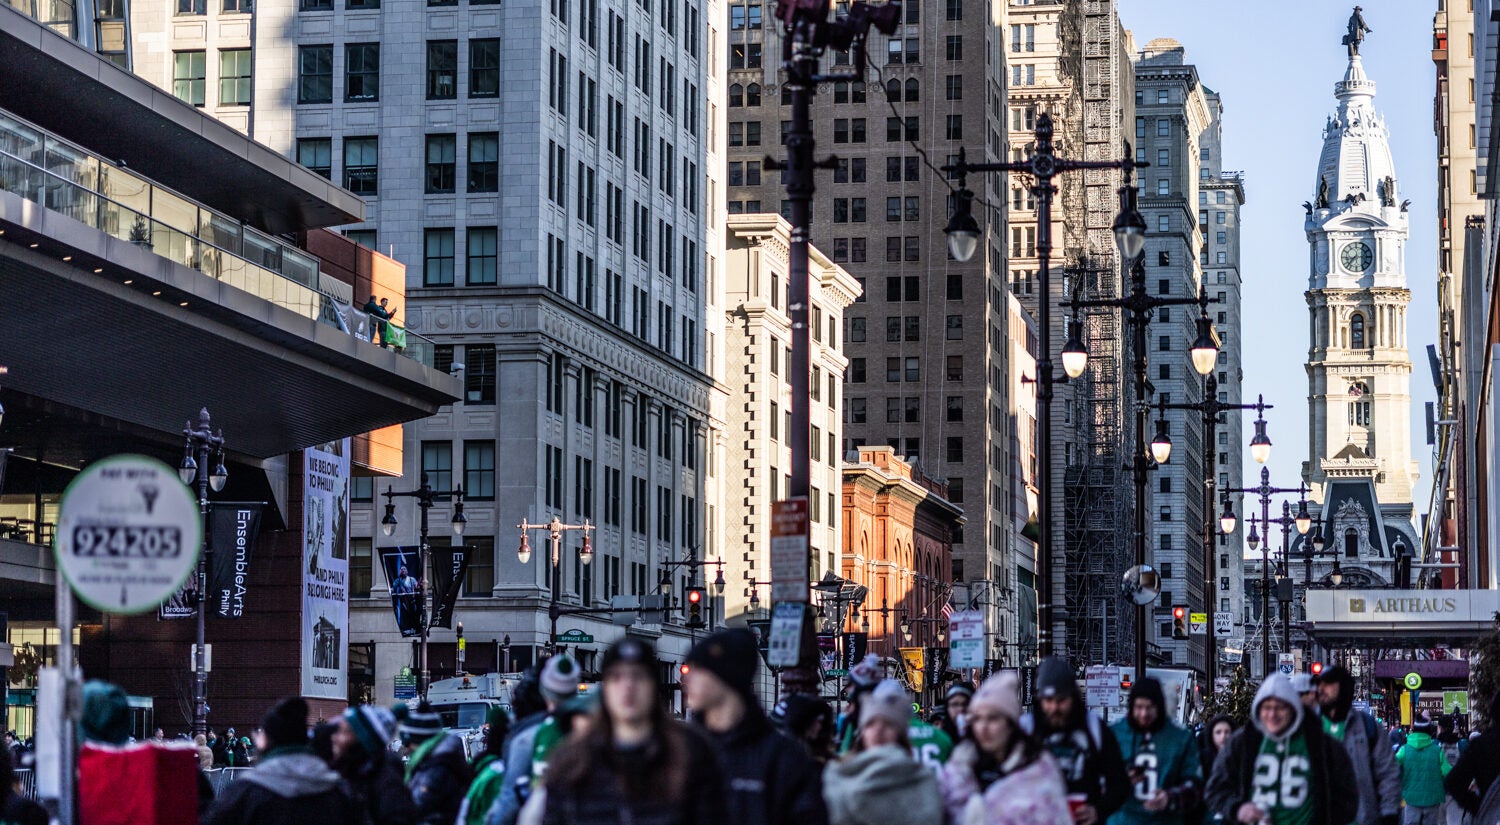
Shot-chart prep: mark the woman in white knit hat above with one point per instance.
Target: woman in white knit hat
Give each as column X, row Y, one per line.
column 998, row 775
column 880, row 782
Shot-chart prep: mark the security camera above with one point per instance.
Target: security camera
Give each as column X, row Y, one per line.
column 455, row 368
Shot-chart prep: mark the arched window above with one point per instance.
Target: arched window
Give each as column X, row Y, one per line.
column 1357, row 331
column 736, row 95
column 893, row 90
column 911, row 90
column 752, row 94
column 1351, row 544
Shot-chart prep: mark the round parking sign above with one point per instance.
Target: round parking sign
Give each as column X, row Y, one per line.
column 128, row 534
column 1413, row 681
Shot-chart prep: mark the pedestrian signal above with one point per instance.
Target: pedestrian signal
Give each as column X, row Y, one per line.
column 1317, row 668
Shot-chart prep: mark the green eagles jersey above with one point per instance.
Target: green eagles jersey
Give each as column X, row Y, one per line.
column 1335, row 729
column 929, row 744
column 1166, row 759
column 1280, row 784
column 548, row 736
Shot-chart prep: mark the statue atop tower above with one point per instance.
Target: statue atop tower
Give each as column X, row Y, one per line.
column 1357, row 32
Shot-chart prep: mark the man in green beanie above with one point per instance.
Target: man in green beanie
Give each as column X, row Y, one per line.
column 362, row 756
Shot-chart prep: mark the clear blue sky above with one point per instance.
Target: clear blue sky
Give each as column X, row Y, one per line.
column 1275, row 63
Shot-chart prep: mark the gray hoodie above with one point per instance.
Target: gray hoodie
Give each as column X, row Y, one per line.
column 294, row 775
column 1277, row 686
column 881, row 786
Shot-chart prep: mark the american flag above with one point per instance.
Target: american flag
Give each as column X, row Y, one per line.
column 1357, row 390
column 947, row 610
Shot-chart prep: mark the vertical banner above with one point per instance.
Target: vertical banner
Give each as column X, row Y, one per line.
column 180, row 604
column 449, row 565
column 855, row 647
column 403, row 566
column 325, row 569
column 232, row 530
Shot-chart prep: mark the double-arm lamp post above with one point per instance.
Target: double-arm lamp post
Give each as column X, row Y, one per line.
column 964, row 235
column 693, row 563
column 426, row 497
column 1303, row 523
column 555, row 529
column 1260, row 449
column 202, row 440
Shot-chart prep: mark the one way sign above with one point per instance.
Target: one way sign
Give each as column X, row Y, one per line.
column 1223, row 623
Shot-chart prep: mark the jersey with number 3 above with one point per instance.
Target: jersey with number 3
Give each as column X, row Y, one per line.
column 1280, row 783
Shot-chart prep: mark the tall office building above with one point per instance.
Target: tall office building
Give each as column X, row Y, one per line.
column 925, row 341
column 568, row 280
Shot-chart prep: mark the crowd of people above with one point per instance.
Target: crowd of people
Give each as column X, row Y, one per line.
column 1308, row 756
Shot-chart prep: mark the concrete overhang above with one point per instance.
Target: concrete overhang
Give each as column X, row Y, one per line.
column 276, row 380
column 61, row 86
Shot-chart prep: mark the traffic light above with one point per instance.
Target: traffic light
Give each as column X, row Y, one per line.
column 1316, row 669
column 695, row 607
column 1179, row 622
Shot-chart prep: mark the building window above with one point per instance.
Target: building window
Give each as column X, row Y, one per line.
column 316, row 5
column 479, row 580
column 479, row 374
column 479, row 470
column 361, row 165
column 316, row 154
column 481, row 268
column 1357, row 331
column 442, row 69
column 361, row 5
column 192, row 7
column 437, row 257
column 315, row 74
column 234, row 77
column 188, row 76
column 484, row 162
column 437, row 464
column 484, row 67
column 441, row 166
column 362, row 72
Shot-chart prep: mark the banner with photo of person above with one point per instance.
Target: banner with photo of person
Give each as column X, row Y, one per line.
column 403, row 569
column 325, row 570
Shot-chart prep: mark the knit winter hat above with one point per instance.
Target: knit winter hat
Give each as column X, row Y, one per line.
column 887, row 701
column 1423, row 724
column 560, row 678
column 730, row 655
column 867, row 672
column 1054, row 677
column 373, row 726
column 963, row 689
column 285, row 724
column 106, row 713
column 1000, row 692
column 418, row 724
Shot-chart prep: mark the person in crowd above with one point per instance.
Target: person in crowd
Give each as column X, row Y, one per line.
column 768, row 780
column 489, row 769
column 879, row 782
column 999, row 775
column 1453, row 746
column 14, row 747
column 955, row 706
column 531, row 708
column 1085, row 750
column 929, row 744
column 220, row 749
column 437, row 772
column 361, row 744
column 1364, row 738
column 14, row 808
column 556, row 682
column 809, row 720
column 1423, row 765
column 862, row 679
column 1283, row 768
column 1472, row 779
column 239, row 751
column 290, row 785
column 1307, row 690
column 1215, row 736
column 205, row 756
column 636, row 764
column 1161, row 760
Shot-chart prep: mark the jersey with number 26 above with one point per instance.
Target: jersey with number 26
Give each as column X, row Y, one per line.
column 1280, row 783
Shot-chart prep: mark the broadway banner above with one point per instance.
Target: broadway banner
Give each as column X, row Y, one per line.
column 325, row 570
column 403, row 566
column 449, row 565
column 232, row 530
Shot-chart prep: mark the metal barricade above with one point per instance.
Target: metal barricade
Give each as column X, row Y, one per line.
column 220, row 778
column 26, row 780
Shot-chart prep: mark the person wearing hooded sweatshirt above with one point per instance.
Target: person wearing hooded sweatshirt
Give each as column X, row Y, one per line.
column 636, row 764
column 361, row 744
column 437, row 772
column 557, row 683
column 955, row 707
column 1365, row 740
column 999, row 775
column 1161, row 759
column 1086, row 751
column 1479, row 765
column 289, row 784
column 1423, row 766
column 863, row 678
column 879, row 782
column 1283, row 768
column 489, row 770
column 769, row 780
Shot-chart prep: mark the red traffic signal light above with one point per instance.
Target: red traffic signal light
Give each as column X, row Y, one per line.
column 1317, row 668
column 695, row 607
column 695, row 596
column 682, row 670
column 1179, row 612
column 1179, row 622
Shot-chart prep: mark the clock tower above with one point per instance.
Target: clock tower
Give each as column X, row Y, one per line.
column 1358, row 365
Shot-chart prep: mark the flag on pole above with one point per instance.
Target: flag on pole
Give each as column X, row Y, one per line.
column 947, row 610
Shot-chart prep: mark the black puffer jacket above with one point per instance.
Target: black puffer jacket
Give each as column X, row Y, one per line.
column 768, row 778
column 438, row 778
column 601, row 798
column 288, row 787
column 376, row 782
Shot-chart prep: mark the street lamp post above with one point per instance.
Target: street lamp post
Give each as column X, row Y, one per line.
column 555, row 529
column 693, row 563
column 885, row 612
column 1138, row 307
column 1302, row 522
column 963, row 240
column 202, row 440
column 426, row 497
column 1211, row 408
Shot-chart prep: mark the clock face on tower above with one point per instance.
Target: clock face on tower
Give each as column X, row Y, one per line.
column 1357, row 256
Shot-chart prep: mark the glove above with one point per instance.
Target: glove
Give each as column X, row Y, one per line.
column 1390, row 819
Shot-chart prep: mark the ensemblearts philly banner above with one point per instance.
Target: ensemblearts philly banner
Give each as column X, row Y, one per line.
column 232, row 530
column 325, row 569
